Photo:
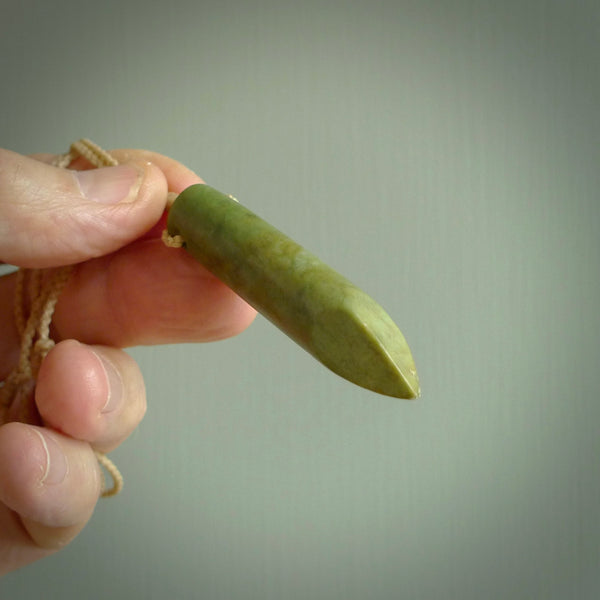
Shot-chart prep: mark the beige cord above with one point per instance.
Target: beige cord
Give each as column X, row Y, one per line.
column 172, row 241
column 44, row 286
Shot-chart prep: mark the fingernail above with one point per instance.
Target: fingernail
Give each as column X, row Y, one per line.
column 114, row 384
column 110, row 185
column 55, row 467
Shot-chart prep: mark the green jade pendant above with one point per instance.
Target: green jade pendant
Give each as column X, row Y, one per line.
column 332, row 319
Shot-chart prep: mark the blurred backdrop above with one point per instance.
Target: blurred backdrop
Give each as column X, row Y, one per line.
column 444, row 156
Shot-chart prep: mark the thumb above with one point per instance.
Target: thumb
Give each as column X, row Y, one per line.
column 51, row 217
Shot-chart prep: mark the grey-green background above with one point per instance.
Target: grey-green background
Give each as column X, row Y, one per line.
column 445, row 157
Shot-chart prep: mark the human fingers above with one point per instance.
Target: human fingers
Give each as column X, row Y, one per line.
column 51, row 483
column 166, row 296
column 144, row 293
column 52, row 217
column 148, row 294
column 91, row 393
column 177, row 174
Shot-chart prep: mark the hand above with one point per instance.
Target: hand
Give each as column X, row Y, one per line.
column 127, row 289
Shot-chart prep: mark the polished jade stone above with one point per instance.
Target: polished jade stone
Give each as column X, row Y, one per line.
column 339, row 324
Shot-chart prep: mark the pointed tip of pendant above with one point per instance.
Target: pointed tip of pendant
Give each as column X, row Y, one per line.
column 410, row 385
column 397, row 376
column 411, row 388
column 360, row 342
column 393, row 371
column 391, row 378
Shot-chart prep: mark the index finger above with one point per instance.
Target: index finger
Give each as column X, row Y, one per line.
column 144, row 293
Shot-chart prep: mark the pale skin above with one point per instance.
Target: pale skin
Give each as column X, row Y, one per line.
column 127, row 289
